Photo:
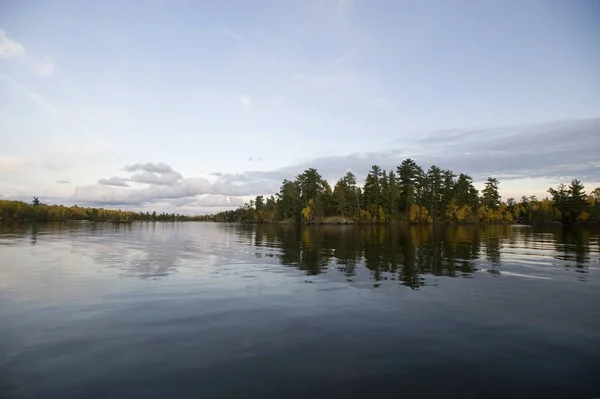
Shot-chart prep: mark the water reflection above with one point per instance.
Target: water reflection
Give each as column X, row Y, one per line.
column 408, row 254
column 412, row 256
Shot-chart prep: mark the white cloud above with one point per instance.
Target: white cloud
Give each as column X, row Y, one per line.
column 166, row 179
column 245, row 100
column 63, row 182
column 225, row 191
column 107, row 195
column 220, row 201
column 8, row 47
column 44, row 67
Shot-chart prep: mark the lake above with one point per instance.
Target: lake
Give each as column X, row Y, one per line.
column 273, row 311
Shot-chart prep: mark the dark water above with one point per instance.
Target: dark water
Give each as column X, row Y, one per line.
column 213, row 310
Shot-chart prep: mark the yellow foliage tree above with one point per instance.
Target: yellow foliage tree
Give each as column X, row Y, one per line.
column 451, row 211
column 584, row 216
column 413, row 213
column 463, row 213
column 307, row 211
column 418, row 214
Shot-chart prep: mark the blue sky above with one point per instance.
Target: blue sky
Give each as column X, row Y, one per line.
column 198, row 105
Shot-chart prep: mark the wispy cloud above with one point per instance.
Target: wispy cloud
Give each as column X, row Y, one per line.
column 45, row 67
column 229, row 33
column 279, row 100
column 328, row 80
column 245, row 100
column 383, row 102
column 9, row 48
column 343, row 7
column 33, row 96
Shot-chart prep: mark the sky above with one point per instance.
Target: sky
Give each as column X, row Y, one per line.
column 196, row 106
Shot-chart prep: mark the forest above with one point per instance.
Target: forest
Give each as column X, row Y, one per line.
column 408, row 195
column 37, row 211
column 412, row 195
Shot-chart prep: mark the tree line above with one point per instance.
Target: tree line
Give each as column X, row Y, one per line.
column 408, row 194
column 411, row 194
column 37, row 211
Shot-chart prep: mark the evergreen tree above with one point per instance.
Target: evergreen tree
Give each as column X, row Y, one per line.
column 490, row 194
column 372, row 192
column 409, row 174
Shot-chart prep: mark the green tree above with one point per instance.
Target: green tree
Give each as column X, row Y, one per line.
column 560, row 200
column 578, row 199
column 491, row 194
column 259, row 208
column 345, row 196
column 409, row 175
column 447, row 193
column 327, row 199
column 465, row 194
column 432, row 190
column 311, row 185
column 372, row 191
column 392, row 197
column 289, row 202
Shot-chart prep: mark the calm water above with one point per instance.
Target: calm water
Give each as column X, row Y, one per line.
column 214, row 310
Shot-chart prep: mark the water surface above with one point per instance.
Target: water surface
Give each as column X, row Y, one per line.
column 216, row 310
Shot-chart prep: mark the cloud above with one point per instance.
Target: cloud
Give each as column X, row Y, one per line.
column 56, row 165
column 252, row 159
column 44, row 67
column 328, row 80
column 245, row 100
column 149, row 167
column 33, row 96
column 251, row 183
column 343, row 7
column 154, row 173
column 9, row 48
column 63, row 182
column 114, row 181
column 557, row 150
column 163, row 182
column 279, row 100
column 229, row 33
column 167, row 179
column 110, row 195
column 209, row 201
column 220, row 201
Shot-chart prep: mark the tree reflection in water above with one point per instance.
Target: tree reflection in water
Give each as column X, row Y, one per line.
column 408, row 254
